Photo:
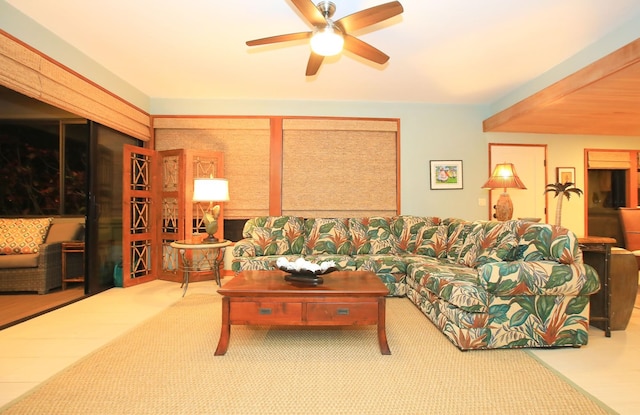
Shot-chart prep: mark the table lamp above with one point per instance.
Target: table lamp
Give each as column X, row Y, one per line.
column 504, row 176
column 211, row 190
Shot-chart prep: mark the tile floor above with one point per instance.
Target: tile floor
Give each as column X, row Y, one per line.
column 33, row 351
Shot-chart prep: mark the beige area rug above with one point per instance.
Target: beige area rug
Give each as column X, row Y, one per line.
column 167, row 366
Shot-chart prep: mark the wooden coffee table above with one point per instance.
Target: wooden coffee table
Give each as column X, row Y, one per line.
column 346, row 298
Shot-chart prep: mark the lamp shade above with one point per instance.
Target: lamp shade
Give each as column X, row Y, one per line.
column 210, row 190
column 327, row 41
column 504, row 176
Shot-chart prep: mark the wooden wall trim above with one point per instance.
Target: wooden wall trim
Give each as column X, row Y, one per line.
column 31, row 73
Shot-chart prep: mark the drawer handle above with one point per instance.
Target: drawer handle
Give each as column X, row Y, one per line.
column 264, row 311
column 343, row 311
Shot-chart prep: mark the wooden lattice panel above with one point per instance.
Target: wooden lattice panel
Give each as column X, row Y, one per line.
column 140, row 258
column 170, row 215
column 170, row 173
column 140, row 169
column 140, row 214
column 170, row 257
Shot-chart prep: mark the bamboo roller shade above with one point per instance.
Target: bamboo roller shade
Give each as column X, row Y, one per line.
column 339, row 173
column 609, row 160
column 246, row 155
column 33, row 74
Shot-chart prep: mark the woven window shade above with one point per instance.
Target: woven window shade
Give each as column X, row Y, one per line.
column 609, row 159
column 34, row 75
column 339, row 173
column 246, row 155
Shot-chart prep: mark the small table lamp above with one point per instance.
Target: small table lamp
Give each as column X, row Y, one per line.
column 211, row 190
column 504, row 176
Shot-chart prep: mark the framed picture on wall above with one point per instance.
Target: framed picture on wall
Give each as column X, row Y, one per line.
column 445, row 174
column 566, row 175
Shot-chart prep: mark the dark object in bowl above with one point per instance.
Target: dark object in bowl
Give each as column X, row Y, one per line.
column 307, row 273
column 304, row 279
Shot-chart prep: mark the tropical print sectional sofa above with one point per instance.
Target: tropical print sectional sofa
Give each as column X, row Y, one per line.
column 484, row 284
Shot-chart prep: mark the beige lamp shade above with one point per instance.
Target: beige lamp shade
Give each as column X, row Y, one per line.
column 504, row 176
column 210, row 190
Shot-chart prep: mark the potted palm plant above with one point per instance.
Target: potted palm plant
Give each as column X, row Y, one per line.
column 563, row 190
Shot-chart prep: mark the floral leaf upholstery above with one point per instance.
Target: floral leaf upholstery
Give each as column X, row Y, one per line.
column 267, row 262
column 431, row 241
column 488, row 242
column 456, row 284
column 272, row 235
column 22, row 236
column 269, row 241
column 538, row 278
column 510, row 322
column 407, row 228
column 372, row 235
column 343, row 262
column 327, row 236
column 542, row 241
column 457, row 231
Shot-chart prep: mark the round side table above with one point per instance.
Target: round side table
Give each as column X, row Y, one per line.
column 210, row 254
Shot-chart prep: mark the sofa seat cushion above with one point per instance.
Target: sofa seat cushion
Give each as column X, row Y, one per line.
column 373, row 235
column 454, row 283
column 22, row 236
column 328, row 236
column 19, row 261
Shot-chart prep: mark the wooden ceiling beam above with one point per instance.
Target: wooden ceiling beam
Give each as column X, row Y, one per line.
column 601, row 99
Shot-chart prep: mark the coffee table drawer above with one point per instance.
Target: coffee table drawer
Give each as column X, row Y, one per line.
column 345, row 313
column 247, row 312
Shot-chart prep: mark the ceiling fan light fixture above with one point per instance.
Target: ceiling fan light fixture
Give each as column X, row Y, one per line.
column 327, row 41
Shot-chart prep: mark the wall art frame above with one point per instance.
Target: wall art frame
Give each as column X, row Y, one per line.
column 566, row 174
column 446, row 174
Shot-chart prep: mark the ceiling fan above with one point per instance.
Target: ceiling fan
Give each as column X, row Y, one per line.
column 329, row 37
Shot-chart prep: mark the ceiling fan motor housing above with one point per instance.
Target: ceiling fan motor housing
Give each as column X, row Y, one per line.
column 327, row 8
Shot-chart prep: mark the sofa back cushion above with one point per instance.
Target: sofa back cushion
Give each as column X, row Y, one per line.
column 65, row 231
column 542, row 241
column 372, row 235
column 408, row 228
column 432, row 241
column 276, row 235
column 328, row 236
column 457, row 231
column 22, row 236
column 488, row 241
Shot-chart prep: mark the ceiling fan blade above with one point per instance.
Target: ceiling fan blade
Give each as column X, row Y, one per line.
column 279, row 38
column 314, row 63
column 365, row 50
column 310, row 12
column 369, row 16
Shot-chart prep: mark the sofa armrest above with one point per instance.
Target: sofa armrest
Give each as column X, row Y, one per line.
column 538, row 278
column 50, row 253
column 244, row 248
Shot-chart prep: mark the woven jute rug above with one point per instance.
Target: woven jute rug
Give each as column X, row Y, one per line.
column 167, row 366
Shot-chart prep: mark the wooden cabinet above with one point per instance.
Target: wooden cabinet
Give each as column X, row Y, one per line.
column 304, row 312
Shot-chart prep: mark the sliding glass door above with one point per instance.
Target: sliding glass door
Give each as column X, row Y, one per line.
column 104, row 213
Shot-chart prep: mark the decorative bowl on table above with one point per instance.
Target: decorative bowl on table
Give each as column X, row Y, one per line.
column 305, row 272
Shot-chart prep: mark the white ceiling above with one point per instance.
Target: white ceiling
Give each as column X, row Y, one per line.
column 442, row 51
